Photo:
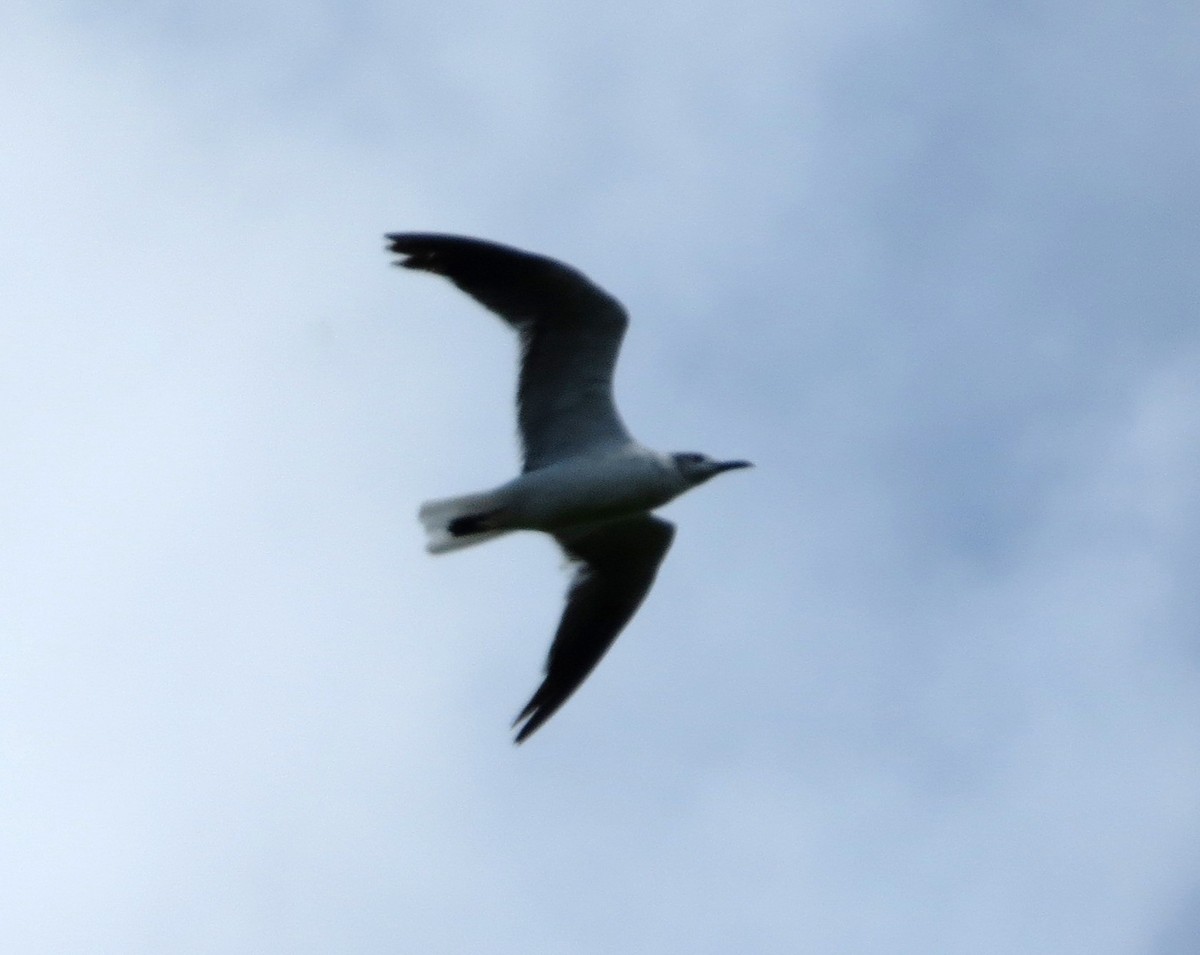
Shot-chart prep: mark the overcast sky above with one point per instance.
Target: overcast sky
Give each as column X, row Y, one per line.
column 927, row 680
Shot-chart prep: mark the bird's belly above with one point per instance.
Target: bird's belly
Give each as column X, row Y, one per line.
column 560, row 497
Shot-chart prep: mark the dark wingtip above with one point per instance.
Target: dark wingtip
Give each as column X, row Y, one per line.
column 532, row 719
column 543, row 705
column 526, row 731
column 408, row 245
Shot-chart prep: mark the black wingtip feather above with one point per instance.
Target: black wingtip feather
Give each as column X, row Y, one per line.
column 414, row 257
column 536, row 716
column 528, row 713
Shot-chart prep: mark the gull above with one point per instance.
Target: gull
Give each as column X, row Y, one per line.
column 585, row 480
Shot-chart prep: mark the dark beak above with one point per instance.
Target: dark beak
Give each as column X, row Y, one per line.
column 731, row 466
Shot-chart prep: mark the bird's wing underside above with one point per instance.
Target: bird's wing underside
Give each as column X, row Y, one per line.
column 617, row 565
column 570, row 332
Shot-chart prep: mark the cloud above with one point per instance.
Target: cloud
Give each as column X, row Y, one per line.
column 923, row 681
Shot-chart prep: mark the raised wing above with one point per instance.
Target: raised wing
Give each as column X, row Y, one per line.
column 570, row 332
column 618, row 563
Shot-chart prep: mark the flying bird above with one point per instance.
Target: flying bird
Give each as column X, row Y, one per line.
column 586, row 481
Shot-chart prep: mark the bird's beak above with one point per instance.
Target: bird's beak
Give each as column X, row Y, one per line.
column 731, row 466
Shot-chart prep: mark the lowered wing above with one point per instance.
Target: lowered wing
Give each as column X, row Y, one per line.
column 617, row 566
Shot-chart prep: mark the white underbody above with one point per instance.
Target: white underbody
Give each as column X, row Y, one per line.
column 577, row 491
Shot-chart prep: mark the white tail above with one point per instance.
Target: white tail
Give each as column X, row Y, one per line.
column 437, row 516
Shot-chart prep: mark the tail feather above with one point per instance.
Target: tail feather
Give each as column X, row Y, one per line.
column 456, row 522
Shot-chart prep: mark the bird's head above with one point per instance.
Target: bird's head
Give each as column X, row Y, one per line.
column 698, row 468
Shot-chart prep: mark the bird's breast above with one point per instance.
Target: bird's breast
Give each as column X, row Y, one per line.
column 580, row 491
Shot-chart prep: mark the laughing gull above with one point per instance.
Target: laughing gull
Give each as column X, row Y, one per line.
column 585, row 481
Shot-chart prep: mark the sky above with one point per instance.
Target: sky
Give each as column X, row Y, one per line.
column 926, row 680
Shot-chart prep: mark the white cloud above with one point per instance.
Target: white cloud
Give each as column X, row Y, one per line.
column 923, row 681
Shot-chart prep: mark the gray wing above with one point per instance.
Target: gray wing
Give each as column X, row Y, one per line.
column 618, row 563
column 570, row 332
